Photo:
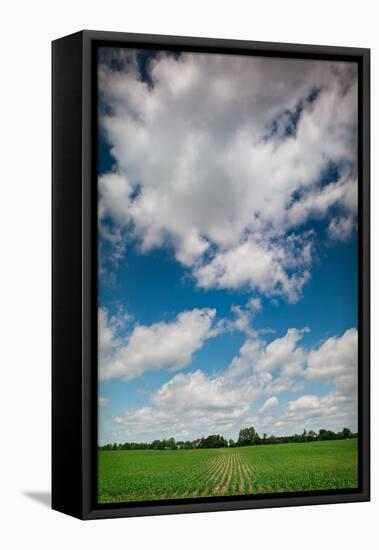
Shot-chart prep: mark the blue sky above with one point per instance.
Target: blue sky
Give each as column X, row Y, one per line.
column 228, row 246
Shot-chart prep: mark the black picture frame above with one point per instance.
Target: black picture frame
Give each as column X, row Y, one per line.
column 74, row 273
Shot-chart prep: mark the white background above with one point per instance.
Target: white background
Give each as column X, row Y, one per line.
column 27, row 29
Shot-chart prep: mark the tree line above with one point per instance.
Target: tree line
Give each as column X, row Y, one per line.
column 247, row 436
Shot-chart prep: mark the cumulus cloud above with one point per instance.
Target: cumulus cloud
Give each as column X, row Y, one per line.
column 340, row 228
column 114, row 190
column 242, row 319
column 311, row 404
column 244, row 363
column 282, row 355
column 168, row 345
column 262, row 266
column 271, row 403
column 192, row 404
column 222, row 157
column 312, row 412
column 149, row 423
column 316, row 202
column 198, row 391
column 335, row 361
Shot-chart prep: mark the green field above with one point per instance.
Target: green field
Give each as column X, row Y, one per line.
column 126, row 476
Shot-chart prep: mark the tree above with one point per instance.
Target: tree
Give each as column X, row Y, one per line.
column 170, row 443
column 324, row 435
column 248, row 436
column 346, row 433
column 213, row 442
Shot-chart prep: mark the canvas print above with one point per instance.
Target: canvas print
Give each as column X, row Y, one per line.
column 227, row 275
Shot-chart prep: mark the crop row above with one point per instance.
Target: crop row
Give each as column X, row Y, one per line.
column 157, row 475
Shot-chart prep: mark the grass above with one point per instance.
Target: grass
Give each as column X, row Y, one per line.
column 126, row 476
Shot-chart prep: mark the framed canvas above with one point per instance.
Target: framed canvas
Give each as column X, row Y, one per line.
column 210, row 275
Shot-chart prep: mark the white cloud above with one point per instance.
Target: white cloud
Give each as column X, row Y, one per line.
column 282, row 354
column 194, row 391
column 222, row 156
column 262, row 266
column 168, row 345
column 114, row 190
column 311, row 412
column 103, row 401
column 340, row 228
column 244, row 363
column 107, row 339
column 193, row 404
column 309, row 404
column 282, row 384
column 333, row 362
column 271, row 403
column 242, row 318
column 255, row 304
column 332, row 411
column 336, row 361
column 316, row 202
